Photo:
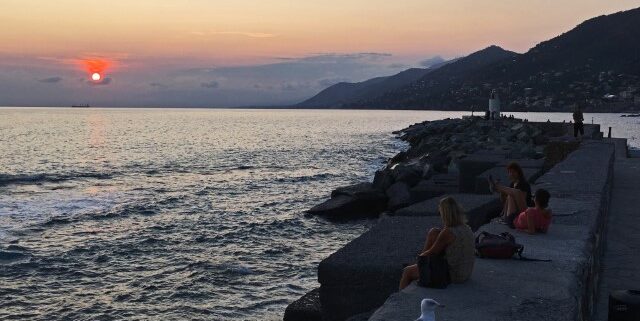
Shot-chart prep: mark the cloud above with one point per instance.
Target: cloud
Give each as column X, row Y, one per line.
column 432, row 61
column 398, row 66
column 331, row 81
column 51, row 80
column 235, row 33
column 158, row 85
column 103, row 81
column 331, row 57
column 210, row 84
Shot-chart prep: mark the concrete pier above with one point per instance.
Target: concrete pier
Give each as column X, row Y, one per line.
column 620, row 262
column 563, row 289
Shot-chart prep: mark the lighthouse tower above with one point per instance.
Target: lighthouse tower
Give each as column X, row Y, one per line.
column 494, row 105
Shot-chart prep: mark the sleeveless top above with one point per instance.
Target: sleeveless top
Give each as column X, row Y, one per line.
column 460, row 254
column 541, row 222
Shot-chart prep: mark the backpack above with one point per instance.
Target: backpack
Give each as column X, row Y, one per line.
column 500, row 246
column 494, row 246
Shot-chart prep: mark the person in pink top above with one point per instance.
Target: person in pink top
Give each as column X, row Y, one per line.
column 538, row 218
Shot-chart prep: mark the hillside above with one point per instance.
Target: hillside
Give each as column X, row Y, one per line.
column 598, row 58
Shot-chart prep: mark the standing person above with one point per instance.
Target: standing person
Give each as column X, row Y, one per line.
column 578, row 120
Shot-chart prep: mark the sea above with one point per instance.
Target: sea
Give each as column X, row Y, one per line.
column 184, row 214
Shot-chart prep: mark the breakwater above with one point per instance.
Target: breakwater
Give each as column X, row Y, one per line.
column 359, row 278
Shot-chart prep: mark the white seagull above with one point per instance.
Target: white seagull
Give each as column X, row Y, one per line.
column 428, row 307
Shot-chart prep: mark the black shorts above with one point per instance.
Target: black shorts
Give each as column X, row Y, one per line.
column 578, row 127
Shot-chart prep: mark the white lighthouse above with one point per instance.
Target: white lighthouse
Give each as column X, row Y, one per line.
column 494, row 105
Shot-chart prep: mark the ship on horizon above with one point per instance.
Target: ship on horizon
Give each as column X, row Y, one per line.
column 81, row 106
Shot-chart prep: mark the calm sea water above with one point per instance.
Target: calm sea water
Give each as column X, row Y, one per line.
column 137, row 214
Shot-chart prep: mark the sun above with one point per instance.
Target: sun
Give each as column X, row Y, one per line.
column 96, row 76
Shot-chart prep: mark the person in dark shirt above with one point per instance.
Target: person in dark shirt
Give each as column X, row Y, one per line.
column 516, row 197
column 578, row 120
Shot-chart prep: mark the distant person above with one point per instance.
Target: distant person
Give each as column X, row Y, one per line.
column 455, row 240
column 538, row 218
column 578, row 119
column 515, row 198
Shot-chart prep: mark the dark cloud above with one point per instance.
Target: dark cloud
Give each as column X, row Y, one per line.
column 331, row 81
column 398, row 66
column 294, row 86
column 211, row 84
column 158, row 85
column 51, row 80
column 338, row 57
column 103, row 81
column 432, row 61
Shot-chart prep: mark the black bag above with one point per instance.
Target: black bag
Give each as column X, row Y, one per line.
column 500, row 246
column 434, row 271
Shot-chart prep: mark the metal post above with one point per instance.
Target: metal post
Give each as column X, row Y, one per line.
column 609, row 132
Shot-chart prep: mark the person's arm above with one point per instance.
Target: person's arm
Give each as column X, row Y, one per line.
column 531, row 228
column 442, row 241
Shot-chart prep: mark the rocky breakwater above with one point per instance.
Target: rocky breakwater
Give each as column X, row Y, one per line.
column 451, row 156
column 431, row 165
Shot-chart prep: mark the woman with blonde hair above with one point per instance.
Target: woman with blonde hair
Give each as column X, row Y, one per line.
column 454, row 240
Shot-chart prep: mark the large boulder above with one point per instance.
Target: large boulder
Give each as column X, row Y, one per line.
column 435, row 186
column 352, row 202
column 409, row 173
column 479, row 209
column 398, row 195
column 307, row 308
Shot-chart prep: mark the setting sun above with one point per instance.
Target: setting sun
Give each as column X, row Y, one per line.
column 96, row 76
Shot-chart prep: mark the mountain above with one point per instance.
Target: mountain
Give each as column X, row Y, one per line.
column 439, row 79
column 598, row 58
column 344, row 92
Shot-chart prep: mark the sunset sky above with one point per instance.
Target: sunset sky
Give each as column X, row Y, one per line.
column 239, row 52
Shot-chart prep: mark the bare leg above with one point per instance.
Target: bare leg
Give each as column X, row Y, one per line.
column 409, row 274
column 509, row 207
column 431, row 238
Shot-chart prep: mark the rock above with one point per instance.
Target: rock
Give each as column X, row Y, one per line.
column 360, row 190
column 523, row 136
column 383, row 179
column 398, row 195
column 409, row 173
column 343, row 206
column 479, row 209
column 307, row 308
column 427, row 171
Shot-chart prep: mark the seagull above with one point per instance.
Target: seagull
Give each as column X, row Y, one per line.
column 428, row 307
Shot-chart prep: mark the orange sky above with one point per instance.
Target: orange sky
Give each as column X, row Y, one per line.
column 249, row 52
column 245, row 32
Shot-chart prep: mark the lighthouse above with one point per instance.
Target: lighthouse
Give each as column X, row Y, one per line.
column 494, row 105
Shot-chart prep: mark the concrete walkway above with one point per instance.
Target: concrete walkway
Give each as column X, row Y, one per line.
column 621, row 262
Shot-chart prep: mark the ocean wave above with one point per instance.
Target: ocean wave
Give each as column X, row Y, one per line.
column 8, row 179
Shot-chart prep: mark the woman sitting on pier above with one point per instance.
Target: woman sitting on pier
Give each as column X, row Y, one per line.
column 515, row 198
column 454, row 240
column 538, row 218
